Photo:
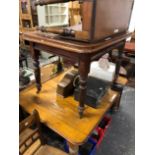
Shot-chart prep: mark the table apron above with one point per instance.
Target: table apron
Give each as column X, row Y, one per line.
column 76, row 56
column 56, row 51
column 98, row 54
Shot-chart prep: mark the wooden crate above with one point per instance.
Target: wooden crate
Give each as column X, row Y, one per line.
column 47, row 71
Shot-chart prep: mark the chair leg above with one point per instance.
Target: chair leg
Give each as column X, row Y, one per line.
column 21, row 64
column 116, row 104
column 26, row 63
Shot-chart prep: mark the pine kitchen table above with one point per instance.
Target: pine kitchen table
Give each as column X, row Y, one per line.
column 60, row 114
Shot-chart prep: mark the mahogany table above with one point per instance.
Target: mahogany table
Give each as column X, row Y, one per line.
column 80, row 52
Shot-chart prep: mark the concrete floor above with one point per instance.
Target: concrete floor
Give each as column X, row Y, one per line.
column 120, row 136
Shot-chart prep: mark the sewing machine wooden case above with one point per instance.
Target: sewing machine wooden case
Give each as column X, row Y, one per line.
column 104, row 18
column 101, row 19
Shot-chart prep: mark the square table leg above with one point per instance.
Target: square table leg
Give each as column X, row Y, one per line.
column 116, row 104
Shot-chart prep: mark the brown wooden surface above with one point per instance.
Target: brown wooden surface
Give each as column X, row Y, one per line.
column 24, row 134
column 87, row 6
column 101, row 18
column 74, row 13
column 34, row 146
column 49, row 150
column 44, row 150
column 52, row 41
column 25, row 16
column 61, row 115
column 112, row 15
column 122, row 80
column 80, row 52
column 27, row 136
column 31, row 141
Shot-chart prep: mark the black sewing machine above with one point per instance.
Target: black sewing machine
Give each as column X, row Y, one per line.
column 96, row 89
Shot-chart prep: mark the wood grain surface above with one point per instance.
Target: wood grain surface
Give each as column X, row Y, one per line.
column 61, row 114
column 54, row 41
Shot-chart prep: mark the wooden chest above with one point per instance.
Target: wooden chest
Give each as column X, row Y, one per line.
column 101, row 19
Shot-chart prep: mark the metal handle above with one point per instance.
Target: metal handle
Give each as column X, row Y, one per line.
column 61, row 31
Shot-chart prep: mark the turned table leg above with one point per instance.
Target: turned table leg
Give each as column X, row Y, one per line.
column 116, row 105
column 119, row 89
column 36, row 63
column 73, row 149
column 84, row 68
column 59, row 65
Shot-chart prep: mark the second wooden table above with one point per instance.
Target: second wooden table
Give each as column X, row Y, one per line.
column 60, row 114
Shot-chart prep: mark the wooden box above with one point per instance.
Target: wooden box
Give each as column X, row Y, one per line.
column 65, row 86
column 101, row 19
column 46, row 72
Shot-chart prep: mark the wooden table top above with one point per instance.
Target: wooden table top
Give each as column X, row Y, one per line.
column 61, row 115
column 54, row 41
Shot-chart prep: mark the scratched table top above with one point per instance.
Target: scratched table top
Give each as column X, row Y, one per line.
column 61, row 114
